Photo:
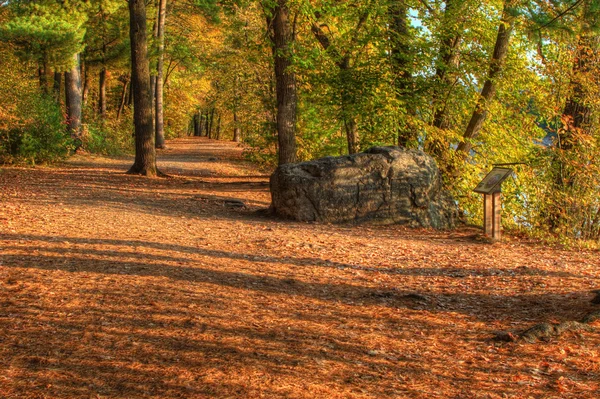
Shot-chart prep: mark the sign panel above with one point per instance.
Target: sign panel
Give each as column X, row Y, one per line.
column 491, row 182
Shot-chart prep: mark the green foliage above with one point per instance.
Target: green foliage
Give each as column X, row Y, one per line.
column 38, row 134
column 109, row 137
column 47, row 32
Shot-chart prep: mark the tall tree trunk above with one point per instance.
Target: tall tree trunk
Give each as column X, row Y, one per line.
column 130, row 95
column 43, row 75
column 345, row 78
column 447, row 61
column 218, row 126
column 85, row 77
column 210, row 125
column 285, row 82
column 145, row 155
column 489, row 87
column 237, row 131
column 102, row 93
column 197, row 124
column 576, row 119
column 73, row 96
column 125, row 79
column 206, row 125
column 401, row 62
column 159, row 124
column 56, row 86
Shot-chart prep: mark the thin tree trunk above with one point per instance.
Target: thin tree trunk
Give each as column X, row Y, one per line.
column 43, row 75
column 237, row 132
column 448, row 60
column 123, row 96
column 344, row 65
column 489, row 87
column 73, row 96
column 285, row 81
column 85, row 76
column 206, row 127
column 576, row 118
column 196, row 125
column 159, row 111
column 401, row 61
column 212, row 120
column 102, row 93
column 130, row 95
column 218, row 126
column 145, row 155
column 56, row 87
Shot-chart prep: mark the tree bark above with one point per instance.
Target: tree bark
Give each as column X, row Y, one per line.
column 210, row 125
column 448, row 60
column 43, row 77
column 206, row 125
column 73, row 97
column 237, row 131
column 145, row 154
column 56, row 87
column 85, row 77
column 218, row 126
column 196, row 124
column 489, row 87
column 159, row 124
column 285, row 82
column 102, row 93
column 576, row 119
column 344, row 65
column 401, row 62
column 125, row 79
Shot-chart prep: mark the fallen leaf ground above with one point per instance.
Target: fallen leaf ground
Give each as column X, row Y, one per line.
column 117, row 286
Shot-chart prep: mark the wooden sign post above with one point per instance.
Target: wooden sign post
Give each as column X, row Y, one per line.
column 490, row 187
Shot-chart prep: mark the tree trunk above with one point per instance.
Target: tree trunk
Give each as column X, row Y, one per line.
column 352, row 135
column 73, row 96
column 43, row 75
column 102, row 93
column 85, row 76
column 196, row 121
column 125, row 80
column 206, row 126
column 237, row 132
column 576, row 119
column 56, row 87
column 401, row 61
column 212, row 120
column 218, row 126
column 489, row 88
column 285, row 82
column 345, row 69
column 159, row 111
column 447, row 62
column 145, row 155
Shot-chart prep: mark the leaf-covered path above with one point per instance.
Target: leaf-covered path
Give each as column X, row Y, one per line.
column 117, row 286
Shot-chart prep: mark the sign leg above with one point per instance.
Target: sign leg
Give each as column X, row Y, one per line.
column 488, row 215
column 497, row 212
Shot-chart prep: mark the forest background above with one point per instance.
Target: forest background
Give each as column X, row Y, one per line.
column 473, row 83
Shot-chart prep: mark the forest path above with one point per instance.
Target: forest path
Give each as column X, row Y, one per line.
column 119, row 286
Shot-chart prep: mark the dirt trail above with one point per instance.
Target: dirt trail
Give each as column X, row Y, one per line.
column 118, row 286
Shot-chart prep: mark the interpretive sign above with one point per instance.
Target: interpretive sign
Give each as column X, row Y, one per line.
column 490, row 187
column 492, row 181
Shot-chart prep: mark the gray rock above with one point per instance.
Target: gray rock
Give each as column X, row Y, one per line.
column 383, row 184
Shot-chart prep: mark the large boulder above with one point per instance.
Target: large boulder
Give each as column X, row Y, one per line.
column 383, row 184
